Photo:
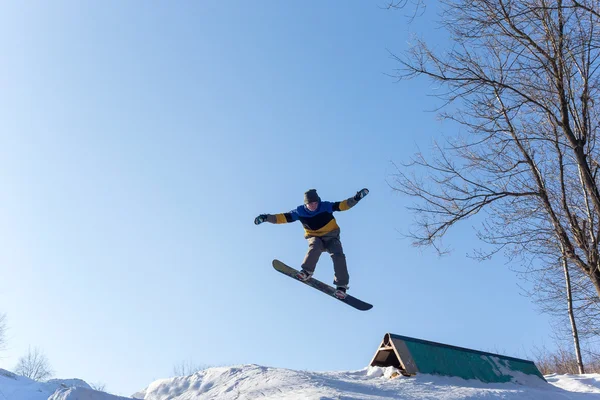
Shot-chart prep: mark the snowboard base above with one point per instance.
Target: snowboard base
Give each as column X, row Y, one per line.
column 322, row 287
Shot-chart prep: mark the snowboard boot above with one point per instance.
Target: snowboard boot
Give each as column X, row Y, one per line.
column 303, row 275
column 340, row 292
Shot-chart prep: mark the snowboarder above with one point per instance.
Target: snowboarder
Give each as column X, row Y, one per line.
column 322, row 232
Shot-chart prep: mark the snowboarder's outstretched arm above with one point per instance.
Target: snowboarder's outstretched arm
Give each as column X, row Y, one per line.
column 294, row 215
column 351, row 202
column 282, row 218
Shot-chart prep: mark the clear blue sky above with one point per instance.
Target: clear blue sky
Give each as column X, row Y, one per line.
column 138, row 142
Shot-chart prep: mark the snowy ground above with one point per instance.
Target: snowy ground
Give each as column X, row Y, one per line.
column 14, row 387
column 256, row 382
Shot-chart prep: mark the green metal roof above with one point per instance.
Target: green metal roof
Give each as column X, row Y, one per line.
column 414, row 356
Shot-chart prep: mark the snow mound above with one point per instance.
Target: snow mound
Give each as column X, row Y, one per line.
column 70, row 383
column 80, row 393
column 587, row 383
column 8, row 374
column 374, row 383
column 16, row 387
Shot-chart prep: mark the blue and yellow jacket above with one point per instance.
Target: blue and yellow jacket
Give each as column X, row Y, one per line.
column 316, row 223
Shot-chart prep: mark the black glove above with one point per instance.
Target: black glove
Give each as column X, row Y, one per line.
column 360, row 194
column 260, row 219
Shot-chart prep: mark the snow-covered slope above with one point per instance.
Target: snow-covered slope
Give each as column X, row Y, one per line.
column 588, row 383
column 14, row 387
column 256, row 382
column 79, row 393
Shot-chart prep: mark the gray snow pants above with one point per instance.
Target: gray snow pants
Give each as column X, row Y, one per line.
column 331, row 244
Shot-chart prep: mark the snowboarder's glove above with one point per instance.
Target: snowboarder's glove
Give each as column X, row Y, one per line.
column 360, row 194
column 260, row 219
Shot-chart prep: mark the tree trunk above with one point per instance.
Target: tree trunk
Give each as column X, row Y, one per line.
column 572, row 317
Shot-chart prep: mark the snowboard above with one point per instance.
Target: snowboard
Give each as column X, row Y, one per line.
column 323, row 287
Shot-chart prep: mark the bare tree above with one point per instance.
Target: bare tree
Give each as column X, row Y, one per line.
column 34, row 365
column 561, row 361
column 560, row 291
column 523, row 79
column 564, row 292
column 99, row 386
column 571, row 314
column 416, row 7
column 186, row 368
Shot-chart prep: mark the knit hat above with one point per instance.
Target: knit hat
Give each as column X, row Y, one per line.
column 310, row 196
